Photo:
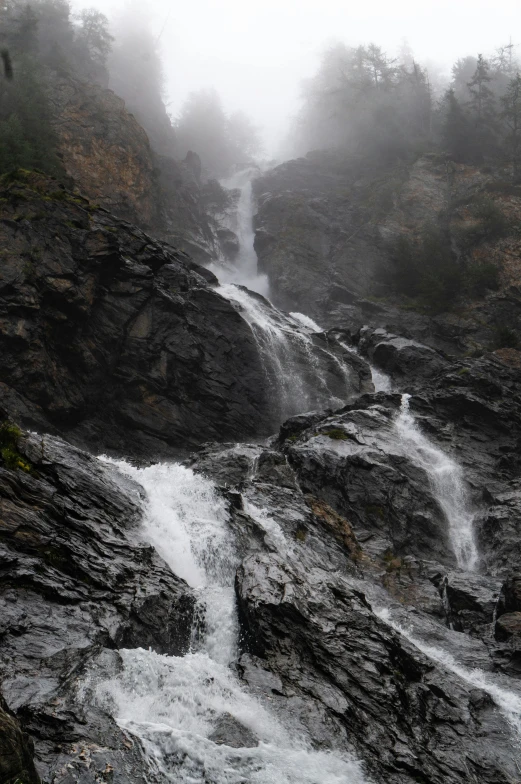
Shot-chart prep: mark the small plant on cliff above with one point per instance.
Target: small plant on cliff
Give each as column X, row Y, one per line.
column 9, row 437
column 337, row 434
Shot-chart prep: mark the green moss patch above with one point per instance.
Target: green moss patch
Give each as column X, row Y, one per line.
column 337, row 434
column 10, row 435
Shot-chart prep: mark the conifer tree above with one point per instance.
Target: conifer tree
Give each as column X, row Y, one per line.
column 511, row 115
column 482, row 109
column 456, row 130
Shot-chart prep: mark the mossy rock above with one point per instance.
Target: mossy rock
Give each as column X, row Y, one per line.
column 10, row 435
column 337, row 434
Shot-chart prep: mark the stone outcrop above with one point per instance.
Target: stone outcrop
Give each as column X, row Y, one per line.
column 112, row 338
column 105, row 150
column 311, row 235
column 108, row 156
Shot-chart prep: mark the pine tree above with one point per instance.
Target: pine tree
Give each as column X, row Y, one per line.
column 511, row 115
column 482, row 108
column 456, row 130
column 26, row 136
column 94, row 34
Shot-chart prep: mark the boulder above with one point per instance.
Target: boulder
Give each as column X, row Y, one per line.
column 508, row 626
column 406, row 361
column 230, row 732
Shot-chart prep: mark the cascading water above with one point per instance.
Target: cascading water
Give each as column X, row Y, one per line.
column 508, row 701
column 445, row 475
column 297, row 374
column 173, row 704
column 448, row 484
column 244, row 270
column 381, row 381
column 302, row 375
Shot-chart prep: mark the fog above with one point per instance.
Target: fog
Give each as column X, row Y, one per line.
column 256, row 54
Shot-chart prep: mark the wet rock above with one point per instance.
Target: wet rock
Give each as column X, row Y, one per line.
column 510, row 600
column 227, row 464
column 508, row 626
column 371, row 686
column 76, row 580
column 308, row 221
column 113, row 339
column 325, row 225
column 230, row 732
column 471, row 600
column 314, row 650
column 406, row 361
column 354, row 461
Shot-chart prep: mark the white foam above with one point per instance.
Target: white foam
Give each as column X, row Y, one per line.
column 306, row 321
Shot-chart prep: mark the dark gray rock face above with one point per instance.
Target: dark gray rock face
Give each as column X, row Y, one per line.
column 508, row 626
column 113, row 339
column 355, row 461
column 76, row 584
column 406, row 361
column 510, row 600
column 308, row 222
column 408, row 720
column 325, row 226
column 315, row 650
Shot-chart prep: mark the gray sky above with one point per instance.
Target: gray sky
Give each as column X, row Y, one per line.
column 256, row 52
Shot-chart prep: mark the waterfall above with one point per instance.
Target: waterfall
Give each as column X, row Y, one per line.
column 302, row 375
column 173, row 704
column 243, row 271
column 448, row 484
column 381, row 381
column 508, row 701
column 445, row 475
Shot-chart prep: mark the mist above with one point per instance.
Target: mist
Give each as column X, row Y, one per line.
column 257, row 54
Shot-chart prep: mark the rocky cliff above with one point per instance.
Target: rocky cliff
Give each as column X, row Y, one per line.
column 108, row 156
column 75, row 586
column 112, row 338
column 325, row 224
